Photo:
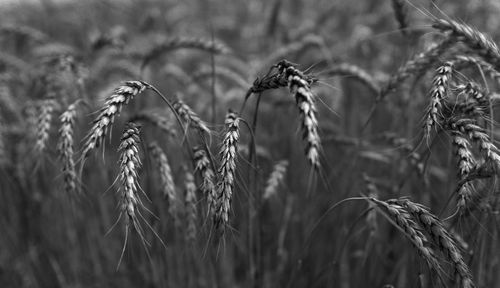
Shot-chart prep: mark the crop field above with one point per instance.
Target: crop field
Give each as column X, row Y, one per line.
column 279, row 143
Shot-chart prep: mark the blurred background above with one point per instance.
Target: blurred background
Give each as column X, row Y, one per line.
column 291, row 238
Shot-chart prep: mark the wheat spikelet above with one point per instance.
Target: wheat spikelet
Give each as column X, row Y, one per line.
column 473, row 91
column 65, row 148
column 401, row 14
column 165, row 124
column 301, row 91
column 274, row 180
column 476, row 40
column 44, row 123
column 356, row 72
column 405, row 221
column 440, row 236
column 227, row 169
column 478, row 135
column 166, row 178
column 190, row 117
column 203, row 166
column 130, row 163
column 167, row 45
column 438, row 94
column 415, row 66
column 112, row 108
column 190, row 204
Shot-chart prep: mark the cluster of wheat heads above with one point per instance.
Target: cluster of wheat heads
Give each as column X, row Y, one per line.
column 170, row 149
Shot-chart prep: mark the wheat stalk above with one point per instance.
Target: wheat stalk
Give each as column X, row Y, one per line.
column 227, row 170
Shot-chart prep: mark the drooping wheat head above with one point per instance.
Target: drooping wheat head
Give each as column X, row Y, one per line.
column 411, row 229
column 477, row 41
column 441, row 238
column 227, row 170
column 300, row 89
column 112, row 108
column 478, row 135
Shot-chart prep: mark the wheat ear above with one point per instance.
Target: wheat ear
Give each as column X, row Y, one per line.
column 44, row 123
column 166, row 178
column 275, row 179
column 440, row 236
column 300, row 89
column 405, row 222
column 437, row 95
column 190, row 204
column 130, row 163
column 112, row 108
column 203, row 166
column 227, row 170
column 65, row 148
column 190, row 117
column 476, row 40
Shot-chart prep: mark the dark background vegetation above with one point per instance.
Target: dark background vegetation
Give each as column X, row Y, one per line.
column 48, row 239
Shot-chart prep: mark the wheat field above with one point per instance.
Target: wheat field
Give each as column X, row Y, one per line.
column 249, row 143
